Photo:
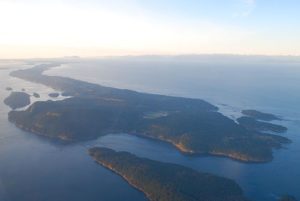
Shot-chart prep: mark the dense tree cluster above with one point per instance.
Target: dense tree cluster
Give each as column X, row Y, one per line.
column 168, row 182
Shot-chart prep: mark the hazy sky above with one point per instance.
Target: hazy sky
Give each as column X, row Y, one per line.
column 50, row 28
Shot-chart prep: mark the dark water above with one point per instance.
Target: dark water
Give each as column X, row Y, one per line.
column 32, row 168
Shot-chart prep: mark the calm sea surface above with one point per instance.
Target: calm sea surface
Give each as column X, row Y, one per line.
column 34, row 168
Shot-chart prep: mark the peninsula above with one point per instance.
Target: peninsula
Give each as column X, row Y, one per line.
column 167, row 182
column 253, row 124
column 193, row 126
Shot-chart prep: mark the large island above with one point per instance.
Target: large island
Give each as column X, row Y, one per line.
column 167, row 182
column 193, row 126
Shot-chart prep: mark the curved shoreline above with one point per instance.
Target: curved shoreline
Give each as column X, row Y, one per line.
column 109, row 167
column 185, row 151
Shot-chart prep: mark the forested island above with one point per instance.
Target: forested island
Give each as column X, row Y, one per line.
column 9, row 89
column 53, row 95
column 36, row 95
column 193, row 126
column 17, row 100
column 167, row 182
column 260, row 115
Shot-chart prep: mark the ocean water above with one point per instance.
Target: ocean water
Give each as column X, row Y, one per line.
column 35, row 168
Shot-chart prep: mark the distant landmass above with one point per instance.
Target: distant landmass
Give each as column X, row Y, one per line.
column 260, row 115
column 17, row 100
column 193, row 126
column 253, row 124
column 167, row 182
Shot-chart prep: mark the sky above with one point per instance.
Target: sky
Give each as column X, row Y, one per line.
column 89, row 28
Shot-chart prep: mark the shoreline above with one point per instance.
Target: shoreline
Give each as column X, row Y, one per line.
column 203, row 154
column 152, row 184
column 108, row 167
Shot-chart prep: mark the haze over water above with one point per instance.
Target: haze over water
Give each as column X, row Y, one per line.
column 33, row 167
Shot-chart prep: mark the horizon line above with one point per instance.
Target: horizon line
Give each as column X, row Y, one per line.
column 155, row 55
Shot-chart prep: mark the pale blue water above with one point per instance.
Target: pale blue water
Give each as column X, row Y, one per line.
column 32, row 166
